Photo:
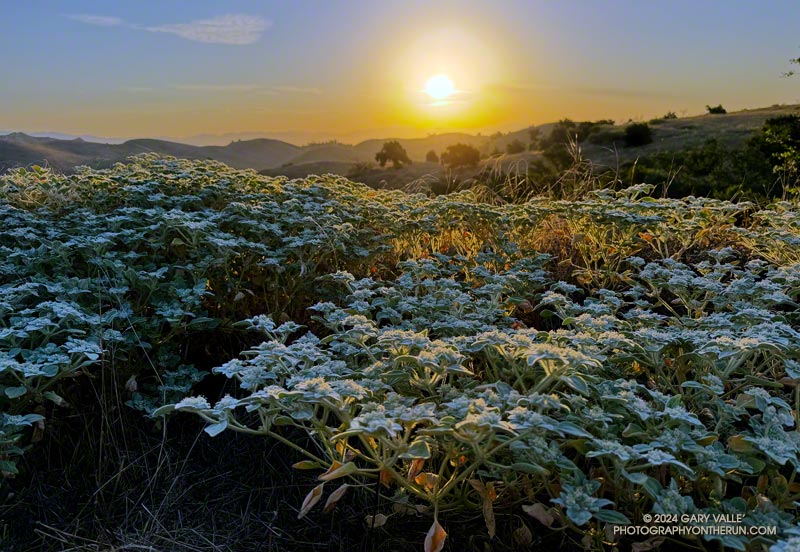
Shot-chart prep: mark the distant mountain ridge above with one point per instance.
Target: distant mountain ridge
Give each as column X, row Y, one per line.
column 20, row 149
column 279, row 157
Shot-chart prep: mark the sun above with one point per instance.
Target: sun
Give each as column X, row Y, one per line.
column 439, row 87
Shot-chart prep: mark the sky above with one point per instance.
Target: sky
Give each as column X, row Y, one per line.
column 349, row 70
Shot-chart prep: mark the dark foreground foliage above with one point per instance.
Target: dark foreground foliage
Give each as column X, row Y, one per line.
column 523, row 375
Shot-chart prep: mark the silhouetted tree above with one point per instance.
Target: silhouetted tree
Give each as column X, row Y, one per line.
column 431, row 157
column 394, row 152
column 461, row 155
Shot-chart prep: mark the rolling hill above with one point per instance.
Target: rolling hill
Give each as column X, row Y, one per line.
column 17, row 149
column 279, row 157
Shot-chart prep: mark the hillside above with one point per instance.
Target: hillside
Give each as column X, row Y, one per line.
column 278, row 157
column 18, row 149
column 731, row 130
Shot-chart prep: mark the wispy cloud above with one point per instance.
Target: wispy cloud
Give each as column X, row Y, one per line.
column 235, row 29
column 247, row 87
column 136, row 89
column 99, row 20
column 216, row 87
column 298, row 90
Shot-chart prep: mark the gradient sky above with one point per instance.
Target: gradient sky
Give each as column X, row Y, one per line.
column 312, row 70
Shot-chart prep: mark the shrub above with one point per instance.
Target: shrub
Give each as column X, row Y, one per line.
column 716, row 110
column 607, row 136
column 658, row 120
column 461, row 155
column 638, row 134
column 431, row 157
column 567, row 130
column 516, row 146
column 561, row 133
column 360, row 168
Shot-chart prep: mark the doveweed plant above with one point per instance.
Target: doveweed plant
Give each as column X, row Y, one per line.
column 582, row 363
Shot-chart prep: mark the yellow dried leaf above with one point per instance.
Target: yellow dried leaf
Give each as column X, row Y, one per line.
column 491, row 492
column 434, row 540
column 334, row 497
column 539, row 512
column 488, row 494
column 385, row 477
column 311, row 499
column 478, row 486
column 306, row 465
column 488, row 516
column 415, row 468
column 338, row 470
column 427, row 480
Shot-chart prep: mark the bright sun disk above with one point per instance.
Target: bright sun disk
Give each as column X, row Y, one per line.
column 439, row 87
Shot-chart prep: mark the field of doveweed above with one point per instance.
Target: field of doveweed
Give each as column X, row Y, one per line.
column 502, row 376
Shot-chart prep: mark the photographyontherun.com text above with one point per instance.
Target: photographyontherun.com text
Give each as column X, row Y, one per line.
column 694, row 525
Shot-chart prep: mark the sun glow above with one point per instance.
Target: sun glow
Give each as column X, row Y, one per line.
column 439, row 87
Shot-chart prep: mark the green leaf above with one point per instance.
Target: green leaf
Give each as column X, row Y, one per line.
column 418, row 449
column 163, row 411
column 7, row 466
column 340, row 471
column 306, row 465
column 577, row 383
column 633, row 430
column 739, row 443
column 216, row 429
column 572, row 429
column 57, row 399
column 14, row 392
column 653, row 487
column 637, row 478
column 756, row 464
column 610, row 516
column 530, row 467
